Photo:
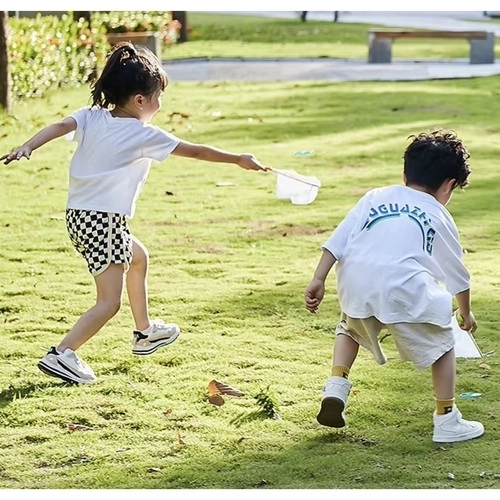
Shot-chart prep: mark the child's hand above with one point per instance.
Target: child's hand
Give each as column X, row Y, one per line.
column 314, row 295
column 467, row 322
column 249, row 162
column 17, row 154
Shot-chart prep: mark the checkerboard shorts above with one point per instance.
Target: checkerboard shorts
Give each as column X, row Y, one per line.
column 101, row 238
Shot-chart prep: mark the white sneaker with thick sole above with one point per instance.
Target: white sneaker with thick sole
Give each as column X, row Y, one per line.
column 452, row 428
column 335, row 394
column 67, row 366
column 157, row 335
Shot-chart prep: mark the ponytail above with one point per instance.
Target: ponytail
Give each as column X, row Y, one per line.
column 128, row 71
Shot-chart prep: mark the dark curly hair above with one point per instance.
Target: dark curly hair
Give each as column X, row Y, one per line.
column 129, row 70
column 432, row 158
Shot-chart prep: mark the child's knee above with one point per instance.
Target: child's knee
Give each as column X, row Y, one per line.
column 110, row 307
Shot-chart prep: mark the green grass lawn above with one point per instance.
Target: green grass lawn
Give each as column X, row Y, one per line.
column 267, row 37
column 229, row 265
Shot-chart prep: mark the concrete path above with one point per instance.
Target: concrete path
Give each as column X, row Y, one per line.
column 346, row 69
column 322, row 69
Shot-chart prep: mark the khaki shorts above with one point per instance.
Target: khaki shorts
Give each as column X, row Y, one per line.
column 421, row 343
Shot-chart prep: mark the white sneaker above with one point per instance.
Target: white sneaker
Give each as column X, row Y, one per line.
column 156, row 336
column 335, row 394
column 451, row 428
column 67, row 366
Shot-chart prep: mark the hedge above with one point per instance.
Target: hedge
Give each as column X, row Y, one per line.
column 140, row 21
column 51, row 52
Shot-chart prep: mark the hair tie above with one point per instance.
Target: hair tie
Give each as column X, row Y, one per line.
column 127, row 52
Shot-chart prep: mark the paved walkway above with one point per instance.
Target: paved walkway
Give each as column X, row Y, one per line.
column 347, row 69
column 322, row 69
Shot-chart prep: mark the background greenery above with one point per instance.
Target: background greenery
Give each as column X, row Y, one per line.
column 47, row 52
column 251, row 36
column 230, row 263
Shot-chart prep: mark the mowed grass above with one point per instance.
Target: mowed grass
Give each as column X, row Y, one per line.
column 230, row 265
column 253, row 36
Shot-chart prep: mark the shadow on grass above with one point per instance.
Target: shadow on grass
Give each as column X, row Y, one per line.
column 12, row 393
column 332, row 459
column 275, row 303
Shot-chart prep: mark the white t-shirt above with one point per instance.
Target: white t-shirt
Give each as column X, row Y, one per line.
column 112, row 160
column 399, row 258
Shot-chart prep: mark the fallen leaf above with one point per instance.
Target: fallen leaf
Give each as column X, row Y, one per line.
column 212, row 388
column 485, row 366
column 78, row 427
column 179, row 439
column 216, row 399
column 178, row 114
column 168, row 412
column 215, row 387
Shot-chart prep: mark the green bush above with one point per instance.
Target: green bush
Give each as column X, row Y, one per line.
column 139, row 21
column 50, row 52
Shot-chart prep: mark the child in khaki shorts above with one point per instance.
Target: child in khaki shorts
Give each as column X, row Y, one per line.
column 399, row 266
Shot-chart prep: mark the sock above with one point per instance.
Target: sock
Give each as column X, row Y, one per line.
column 340, row 371
column 147, row 331
column 444, row 406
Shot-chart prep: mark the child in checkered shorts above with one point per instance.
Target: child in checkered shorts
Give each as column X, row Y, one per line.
column 116, row 145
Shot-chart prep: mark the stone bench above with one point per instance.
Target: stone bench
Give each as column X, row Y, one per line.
column 482, row 43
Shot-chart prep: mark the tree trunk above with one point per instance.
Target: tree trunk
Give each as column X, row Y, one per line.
column 5, row 101
column 181, row 16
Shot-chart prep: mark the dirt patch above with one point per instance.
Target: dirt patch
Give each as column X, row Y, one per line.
column 212, row 249
column 265, row 229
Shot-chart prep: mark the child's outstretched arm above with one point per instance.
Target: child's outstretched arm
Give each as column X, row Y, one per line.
column 209, row 153
column 45, row 135
column 316, row 289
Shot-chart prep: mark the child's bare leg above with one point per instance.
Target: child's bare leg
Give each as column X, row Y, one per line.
column 137, row 287
column 148, row 335
column 443, row 376
column 337, row 387
column 109, row 287
column 345, row 351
